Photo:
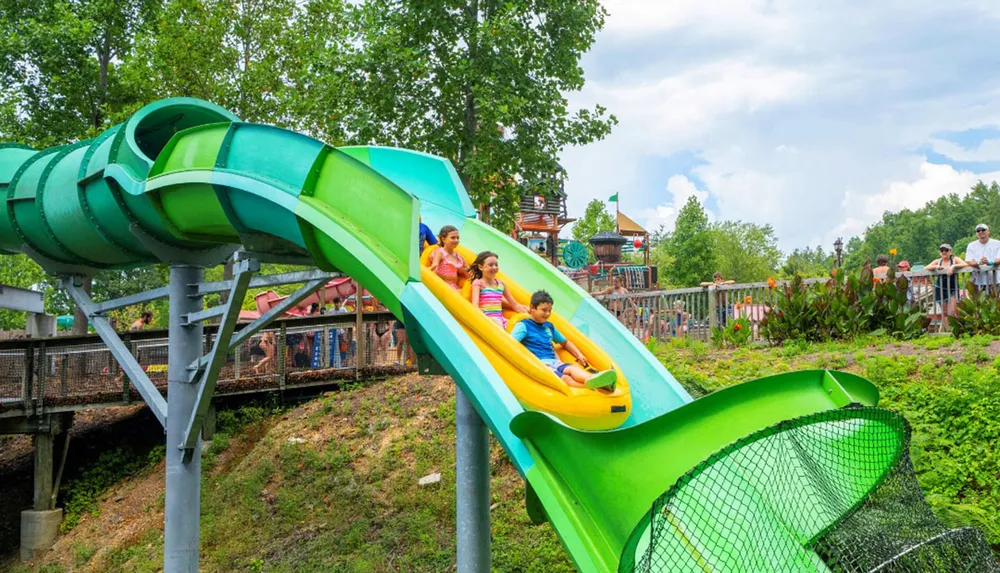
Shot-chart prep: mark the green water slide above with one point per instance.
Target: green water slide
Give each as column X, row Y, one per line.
column 184, row 175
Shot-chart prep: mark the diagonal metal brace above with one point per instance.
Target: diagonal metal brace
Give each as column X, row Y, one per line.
column 244, row 272
column 129, row 365
column 265, row 319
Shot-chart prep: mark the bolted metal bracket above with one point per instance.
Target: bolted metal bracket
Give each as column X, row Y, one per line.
column 170, row 254
column 428, row 366
column 220, row 348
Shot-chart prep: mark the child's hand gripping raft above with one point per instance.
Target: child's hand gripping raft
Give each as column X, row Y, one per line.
column 536, row 385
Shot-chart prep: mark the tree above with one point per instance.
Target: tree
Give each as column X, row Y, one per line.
column 21, row 272
column 596, row 219
column 57, row 64
column 261, row 59
column 480, row 82
column 916, row 234
column 808, row 263
column 745, row 252
column 690, row 246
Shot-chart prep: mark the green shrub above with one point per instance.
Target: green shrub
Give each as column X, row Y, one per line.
column 736, row 333
column 843, row 307
column 977, row 314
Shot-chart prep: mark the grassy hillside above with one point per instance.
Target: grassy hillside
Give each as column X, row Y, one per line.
column 328, row 486
column 332, row 485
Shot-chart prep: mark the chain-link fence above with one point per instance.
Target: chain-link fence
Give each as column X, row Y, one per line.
column 75, row 371
column 832, row 491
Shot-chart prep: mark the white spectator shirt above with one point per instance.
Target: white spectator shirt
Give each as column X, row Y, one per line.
column 975, row 252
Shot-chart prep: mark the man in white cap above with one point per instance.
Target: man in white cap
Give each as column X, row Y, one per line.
column 983, row 254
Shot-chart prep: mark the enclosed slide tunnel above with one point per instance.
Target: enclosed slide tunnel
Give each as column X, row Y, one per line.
column 189, row 175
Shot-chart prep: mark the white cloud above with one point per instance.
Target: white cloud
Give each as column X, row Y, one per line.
column 802, row 115
column 677, row 111
column 933, row 182
column 719, row 16
column 679, row 188
column 986, row 150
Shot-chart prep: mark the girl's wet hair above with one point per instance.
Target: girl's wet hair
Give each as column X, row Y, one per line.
column 445, row 231
column 477, row 273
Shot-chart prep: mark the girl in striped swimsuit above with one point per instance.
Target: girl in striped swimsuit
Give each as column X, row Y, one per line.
column 489, row 292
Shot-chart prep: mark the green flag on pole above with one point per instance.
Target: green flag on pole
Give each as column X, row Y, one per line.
column 613, row 197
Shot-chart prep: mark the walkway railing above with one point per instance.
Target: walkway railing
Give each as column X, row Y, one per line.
column 45, row 375
column 696, row 311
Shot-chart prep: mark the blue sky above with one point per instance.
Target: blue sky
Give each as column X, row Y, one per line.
column 815, row 117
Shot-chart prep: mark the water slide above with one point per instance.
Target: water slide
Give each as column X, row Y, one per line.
column 184, row 174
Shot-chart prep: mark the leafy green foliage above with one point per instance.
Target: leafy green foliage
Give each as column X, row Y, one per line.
column 82, row 495
column 842, row 308
column 951, row 400
column 690, row 246
column 735, row 333
column 745, row 252
column 808, row 263
column 978, row 313
column 917, row 233
column 59, row 66
column 443, row 77
column 596, row 219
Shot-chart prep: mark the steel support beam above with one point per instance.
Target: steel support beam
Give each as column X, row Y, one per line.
column 21, row 299
column 118, row 349
column 472, row 487
column 182, row 509
column 265, row 319
column 271, row 280
column 156, row 293
column 217, row 357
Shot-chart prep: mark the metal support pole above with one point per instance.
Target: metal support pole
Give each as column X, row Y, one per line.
column 472, row 476
column 183, row 496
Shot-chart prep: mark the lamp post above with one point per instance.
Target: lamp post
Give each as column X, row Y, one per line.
column 838, row 247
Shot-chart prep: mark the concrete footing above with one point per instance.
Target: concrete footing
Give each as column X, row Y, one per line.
column 39, row 530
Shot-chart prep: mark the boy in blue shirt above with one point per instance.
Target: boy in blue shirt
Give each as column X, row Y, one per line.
column 426, row 236
column 538, row 335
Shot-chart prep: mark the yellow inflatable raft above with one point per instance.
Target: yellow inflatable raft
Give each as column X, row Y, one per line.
column 535, row 385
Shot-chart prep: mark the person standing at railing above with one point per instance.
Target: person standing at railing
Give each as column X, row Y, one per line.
column 721, row 308
column 881, row 270
column 904, row 267
column 946, row 289
column 627, row 315
column 984, row 252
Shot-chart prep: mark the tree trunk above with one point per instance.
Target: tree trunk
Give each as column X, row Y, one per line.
column 227, row 274
column 469, row 123
column 78, row 366
column 80, row 321
column 104, row 61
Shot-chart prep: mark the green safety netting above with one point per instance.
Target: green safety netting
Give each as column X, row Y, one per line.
column 832, row 491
